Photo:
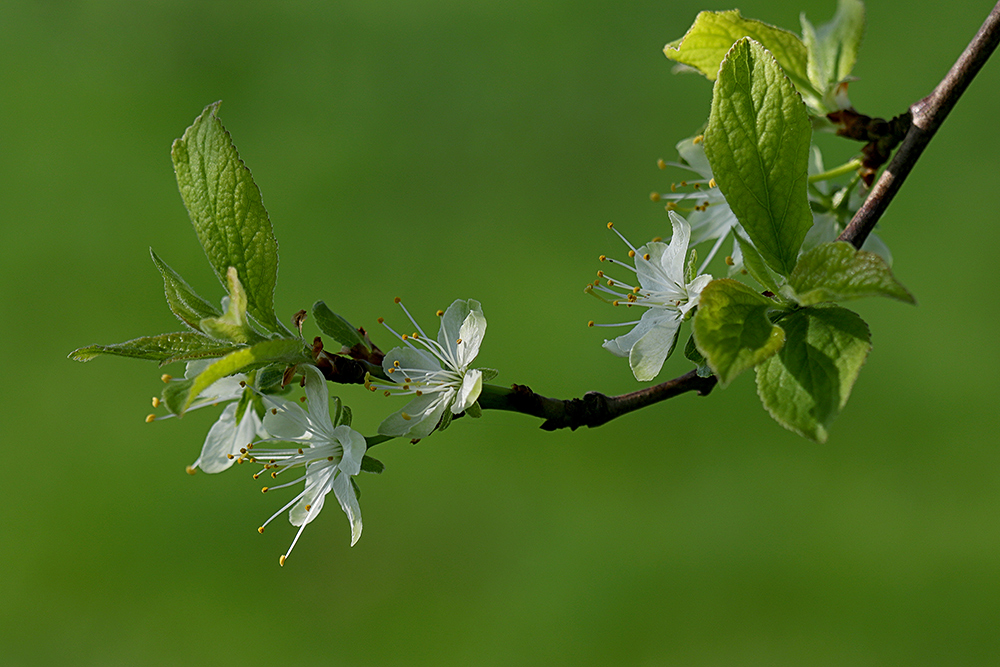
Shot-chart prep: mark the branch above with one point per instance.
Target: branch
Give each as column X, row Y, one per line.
column 927, row 116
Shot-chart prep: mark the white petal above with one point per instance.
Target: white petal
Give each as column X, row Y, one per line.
column 410, row 359
column 220, row 442
column 622, row 346
column 318, row 398
column 472, row 385
column 451, row 326
column 471, row 334
column 354, row 449
column 344, row 490
column 675, row 257
column 649, row 352
column 424, row 412
column 291, row 421
column 694, row 290
column 319, row 478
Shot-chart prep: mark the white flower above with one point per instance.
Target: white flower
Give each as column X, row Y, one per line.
column 330, row 454
column 436, row 371
column 709, row 215
column 227, row 436
column 662, row 290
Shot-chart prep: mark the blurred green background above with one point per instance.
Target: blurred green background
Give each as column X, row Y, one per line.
column 442, row 149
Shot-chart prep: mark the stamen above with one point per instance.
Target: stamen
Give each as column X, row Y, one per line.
column 440, row 313
column 156, row 402
column 661, row 163
column 166, row 378
column 150, row 419
column 654, row 196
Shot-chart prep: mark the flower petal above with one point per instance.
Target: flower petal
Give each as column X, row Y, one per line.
column 354, row 445
column 622, row 345
column 409, row 359
column 451, row 326
column 471, row 334
column 424, row 412
column 472, row 385
column 220, row 440
column 344, row 490
column 649, row 352
column 290, row 422
column 318, row 399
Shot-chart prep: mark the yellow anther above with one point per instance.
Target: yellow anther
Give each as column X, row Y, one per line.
column 697, row 140
column 405, row 416
column 261, row 530
column 300, row 450
column 646, row 257
column 302, row 399
column 419, row 393
column 190, row 470
column 458, row 342
column 414, row 335
column 243, row 384
column 396, row 300
column 395, row 364
column 673, row 187
column 387, row 393
column 657, row 239
column 602, row 257
column 631, row 253
column 264, row 490
column 600, row 274
column 156, row 402
column 590, row 323
column 729, row 260
column 615, row 302
column 611, row 283
column 440, row 313
column 684, row 184
column 230, row 457
column 610, row 225
column 697, row 186
column 281, row 561
column 654, row 196
column 661, row 163
column 713, row 184
column 635, row 290
column 671, row 206
column 166, row 378
column 381, row 320
column 150, row 419
column 308, row 507
column 274, row 411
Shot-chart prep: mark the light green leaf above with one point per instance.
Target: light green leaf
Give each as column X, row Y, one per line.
column 755, row 266
column 757, row 142
column 732, row 330
column 692, row 354
column 184, row 302
column 233, row 325
column 286, row 351
column 336, row 327
column 838, row 272
column 713, row 33
column 833, row 47
column 806, row 385
column 227, row 211
column 165, row 348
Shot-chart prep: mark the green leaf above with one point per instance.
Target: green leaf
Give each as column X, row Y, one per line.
column 286, row 350
column 838, row 272
column 336, row 327
column 184, row 302
column 164, row 348
column 475, row 410
column 732, row 330
column 806, row 385
column 233, row 325
column 757, row 142
column 372, row 465
column 754, row 264
column 692, row 354
column 833, row 48
column 489, row 373
column 713, row 33
column 227, row 211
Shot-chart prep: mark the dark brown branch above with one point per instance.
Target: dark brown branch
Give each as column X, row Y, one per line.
column 927, row 115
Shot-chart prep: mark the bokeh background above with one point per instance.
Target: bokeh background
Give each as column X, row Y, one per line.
column 439, row 149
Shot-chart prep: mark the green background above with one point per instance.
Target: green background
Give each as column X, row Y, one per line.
column 451, row 149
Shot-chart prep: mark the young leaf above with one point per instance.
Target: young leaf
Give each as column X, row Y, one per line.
column 732, row 329
column 806, row 385
column 227, row 211
column 754, row 264
column 184, row 302
column 164, row 348
column 713, row 33
column 287, row 351
column 833, row 47
column 336, row 327
column 757, row 142
column 838, row 272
